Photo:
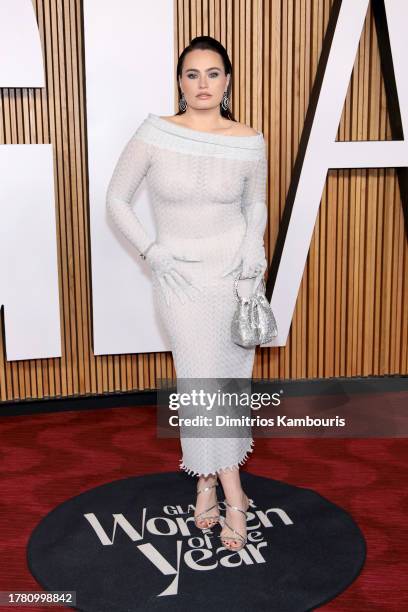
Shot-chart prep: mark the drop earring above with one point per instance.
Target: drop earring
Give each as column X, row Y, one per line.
column 182, row 103
column 225, row 101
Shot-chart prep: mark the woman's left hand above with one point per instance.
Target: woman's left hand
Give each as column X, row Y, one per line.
column 252, row 259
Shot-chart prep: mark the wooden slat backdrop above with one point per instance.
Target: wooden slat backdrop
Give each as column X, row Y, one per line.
column 351, row 317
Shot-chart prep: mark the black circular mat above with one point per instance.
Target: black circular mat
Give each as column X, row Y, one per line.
column 132, row 544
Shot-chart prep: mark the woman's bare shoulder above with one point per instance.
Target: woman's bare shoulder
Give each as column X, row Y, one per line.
column 241, row 129
column 172, row 118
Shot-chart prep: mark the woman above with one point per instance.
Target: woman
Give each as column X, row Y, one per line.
column 207, row 178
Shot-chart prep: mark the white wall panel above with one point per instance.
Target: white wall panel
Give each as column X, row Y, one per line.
column 129, row 73
column 28, row 252
column 21, row 61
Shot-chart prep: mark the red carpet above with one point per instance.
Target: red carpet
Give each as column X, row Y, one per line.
column 47, row 458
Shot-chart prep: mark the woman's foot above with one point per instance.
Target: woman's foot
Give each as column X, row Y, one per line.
column 235, row 518
column 206, row 513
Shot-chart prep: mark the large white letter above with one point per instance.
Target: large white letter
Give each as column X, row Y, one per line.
column 129, row 49
column 323, row 152
column 28, row 245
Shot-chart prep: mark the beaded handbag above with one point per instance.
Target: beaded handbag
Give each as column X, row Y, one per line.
column 253, row 322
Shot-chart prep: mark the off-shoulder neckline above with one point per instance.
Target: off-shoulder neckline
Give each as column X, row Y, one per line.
column 253, row 141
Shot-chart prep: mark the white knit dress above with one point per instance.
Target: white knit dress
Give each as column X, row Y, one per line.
column 199, row 184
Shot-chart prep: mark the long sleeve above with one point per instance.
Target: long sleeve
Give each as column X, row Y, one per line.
column 129, row 171
column 254, row 201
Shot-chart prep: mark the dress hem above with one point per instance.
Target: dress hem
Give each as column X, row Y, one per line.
column 192, row 472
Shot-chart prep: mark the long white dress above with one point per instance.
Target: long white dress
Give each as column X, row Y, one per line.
column 200, row 185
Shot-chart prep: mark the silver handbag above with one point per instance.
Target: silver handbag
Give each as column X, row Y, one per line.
column 253, row 322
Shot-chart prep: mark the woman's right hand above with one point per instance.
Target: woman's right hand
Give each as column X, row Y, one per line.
column 170, row 275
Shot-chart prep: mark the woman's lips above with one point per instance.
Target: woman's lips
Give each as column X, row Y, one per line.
column 204, row 96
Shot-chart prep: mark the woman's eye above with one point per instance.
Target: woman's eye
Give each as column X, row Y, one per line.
column 212, row 74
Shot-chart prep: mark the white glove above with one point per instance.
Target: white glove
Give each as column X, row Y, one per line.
column 251, row 256
column 170, row 275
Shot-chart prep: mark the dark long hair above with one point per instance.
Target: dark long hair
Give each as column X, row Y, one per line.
column 207, row 42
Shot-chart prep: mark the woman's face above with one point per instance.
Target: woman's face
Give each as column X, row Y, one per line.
column 203, row 73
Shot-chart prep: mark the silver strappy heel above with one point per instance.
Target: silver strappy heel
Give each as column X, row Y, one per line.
column 212, row 519
column 237, row 536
